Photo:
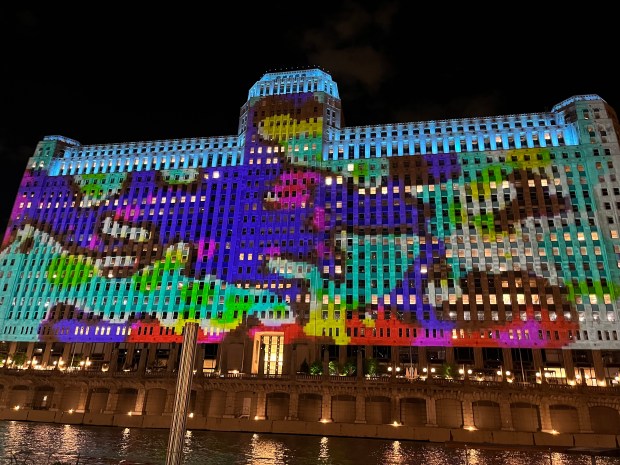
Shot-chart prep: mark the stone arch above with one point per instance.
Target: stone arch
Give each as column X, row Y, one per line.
column 378, row 410
column 42, row 399
column 277, row 405
column 245, row 404
column 126, row 401
column 449, row 413
column 215, row 403
column 413, row 411
column 487, row 415
column 70, row 398
column 604, row 420
column 343, row 408
column 98, row 400
column 564, row 418
column 310, row 407
column 155, row 403
column 19, row 396
column 525, row 416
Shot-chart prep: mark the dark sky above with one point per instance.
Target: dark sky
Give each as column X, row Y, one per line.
column 106, row 73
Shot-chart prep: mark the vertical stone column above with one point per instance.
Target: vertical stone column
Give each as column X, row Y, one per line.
column 395, row 409
column 468, row 413
column 261, row 405
column 583, row 412
column 199, row 359
column 293, row 405
column 599, row 368
column 13, row 348
column 222, row 358
column 131, row 347
column 360, row 365
column 140, row 401
column 538, row 362
column 261, row 359
column 422, row 360
column 505, row 414
column 507, row 363
column 172, row 357
column 545, row 417
column 360, row 408
column 342, row 354
column 107, row 353
column 478, row 358
column 47, row 352
column 326, row 407
column 326, row 363
column 87, row 350
column 569, row 365
column 114, row 360
column 431, row 412
column 294, row 364
column 29, row 351
column 449, row 355
column 84, row 400
column 229, row 406
column 66, row 354
column 287, row 354
column 151, row 357
column 112, row 402
column 142, row 362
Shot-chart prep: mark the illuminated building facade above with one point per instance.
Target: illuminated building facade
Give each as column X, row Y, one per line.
column 478, row 244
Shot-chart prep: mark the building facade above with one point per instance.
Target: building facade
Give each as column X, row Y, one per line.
column 484, row 248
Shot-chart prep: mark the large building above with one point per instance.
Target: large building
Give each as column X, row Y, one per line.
column 485, row 246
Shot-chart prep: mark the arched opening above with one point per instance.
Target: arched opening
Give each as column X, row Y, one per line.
column 155, row 401
column 564, row 418
column 413, row 411
column 310, row 407
column 343, row 409
column 604, row 420
column 487, row 415
column 378, row 410
column 525, row 417
column 277, row 405
column 449, row 413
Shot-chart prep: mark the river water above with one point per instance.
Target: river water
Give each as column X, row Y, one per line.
column 26, row 443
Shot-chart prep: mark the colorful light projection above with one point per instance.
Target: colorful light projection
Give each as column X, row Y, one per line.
column 445, row 249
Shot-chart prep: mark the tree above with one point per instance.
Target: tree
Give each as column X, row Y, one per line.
column 371, row 367
column 316, row 368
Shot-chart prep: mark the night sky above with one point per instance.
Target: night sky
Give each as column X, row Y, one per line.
column 104, row 73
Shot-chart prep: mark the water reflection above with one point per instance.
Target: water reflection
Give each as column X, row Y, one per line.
column 46, row 443
column 324, row 450
column 266, row 451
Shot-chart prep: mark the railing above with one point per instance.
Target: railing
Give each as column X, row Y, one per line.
column 381, row 380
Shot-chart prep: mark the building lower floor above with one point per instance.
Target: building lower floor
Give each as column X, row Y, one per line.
column 266, row 353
